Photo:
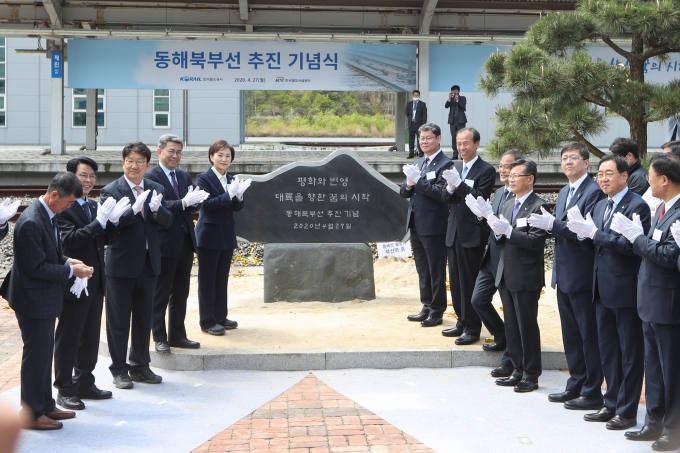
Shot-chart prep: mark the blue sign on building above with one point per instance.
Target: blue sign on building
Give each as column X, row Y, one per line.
column 57, row 64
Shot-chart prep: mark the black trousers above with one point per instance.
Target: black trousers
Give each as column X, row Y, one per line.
column 522, row 333
column 581, row 348
column 622, row 350
column 413, row 142
column 129, row 299
column 213, row 279
column 662, row 377
column 36, row 366
column 172, row 291
column 429, row 253
column 482, row 296
column 464, row 264
column 77, row 344
column 455, row 127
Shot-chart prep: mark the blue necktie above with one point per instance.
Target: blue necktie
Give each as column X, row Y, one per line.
column 504, row 197
column 571, row 192
column 465, row 170
column 516, row 209
column 56, row 229
column 609, row 210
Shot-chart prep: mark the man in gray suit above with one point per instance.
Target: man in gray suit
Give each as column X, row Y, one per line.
column 39, row 271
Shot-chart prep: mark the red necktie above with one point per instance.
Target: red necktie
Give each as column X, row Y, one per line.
column 663, row 212
column 138, row 189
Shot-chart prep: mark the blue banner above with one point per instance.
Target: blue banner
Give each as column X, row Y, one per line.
column 57, row 64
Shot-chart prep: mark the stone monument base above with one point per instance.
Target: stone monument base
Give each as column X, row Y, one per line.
column 318, row 272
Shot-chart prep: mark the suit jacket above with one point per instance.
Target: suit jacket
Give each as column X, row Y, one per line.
column 616, row 267
column 425, row 198
column 521, row 260
column 659, row 278
column 493, row 250
column 637, row 178
column 172, row 238
column 216, row 224
column 457, row 110
column 40, row 268
column 462, row 223
column 573, row 265
column 421, row 115
column 4, row 231
column 84, row 240
column 125, row 258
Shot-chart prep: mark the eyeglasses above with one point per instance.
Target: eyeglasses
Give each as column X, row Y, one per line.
column 515, row 175
column 428, row 138
column 571, row 158
column 87, row 176
column 174, row 153
column 139, row 163
column 504, row 167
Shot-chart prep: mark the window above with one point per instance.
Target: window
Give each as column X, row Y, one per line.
column 80, row 107
column 3, row 78
column 161, row 109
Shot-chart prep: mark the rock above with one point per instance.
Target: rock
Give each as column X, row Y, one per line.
column 318, row 272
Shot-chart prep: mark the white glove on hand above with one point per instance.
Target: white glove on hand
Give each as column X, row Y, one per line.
column 575, row 214
column 120, row 208
column 155, row 201
column 484, row 207
column 675, row 231
column 8, row 210
column 452, row 178
column 139, row 203
column 630, row 229
column 583, row 229
column 543, row 221
column 80, row 285
column 104, row 210
column 233, row 187
column 412, row 174
column 194, row 196
column 471, row 203
column 242, row 188
column 500, row 226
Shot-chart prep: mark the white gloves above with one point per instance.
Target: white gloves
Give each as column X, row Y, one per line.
column 583, row 228
column 120, row 208
column 81, row 283
column 8, row 210
column 139, row 203
column 194, row 196
column 155, row 201
column 452, row 178
column 630, row 229
column 233, row 188
column 500, row 226
column 104, row 210
column 543, row 221
column 471, row 203
column 412, row 174
column 675, row 231
column 242, row 185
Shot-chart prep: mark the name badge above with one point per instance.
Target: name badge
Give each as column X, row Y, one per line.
column 656, row 236
column 519, row 223
column 470, row 182
column 430, row 175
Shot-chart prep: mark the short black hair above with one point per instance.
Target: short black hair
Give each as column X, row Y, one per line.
column 455, row 87
column 529, row 167
column 576, row 146
column 516, row 155
column 436, row 130
column 621, row 164
column 667, row 165
column 65, row 183
column 475, row 133
column 623, row 146
column 137, row 147
column 416, row 91
column 674, row 146
column 72, row 164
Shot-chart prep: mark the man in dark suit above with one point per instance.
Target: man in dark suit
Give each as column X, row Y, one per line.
column 465, row 241
column 485, row 285
column 637, row 174
column 133, row 263
column 416, row 112
column 457, row 119
column 520, row 276
column 39, row 271
column 85, row 229
column 178, row 245
column 572, row 277
column 424, row 187
column 614, row 294
column 657, row 304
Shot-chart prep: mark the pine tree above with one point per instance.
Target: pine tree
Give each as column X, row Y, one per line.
column 560, row 92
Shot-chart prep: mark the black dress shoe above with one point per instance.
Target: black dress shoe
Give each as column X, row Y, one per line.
column 495, row 346
column 526, row 386
column 432, row 321
column 618, row 423
column 584, row 404
column 185, row 343
column 453, row 332
column 214, row 330
column 646, row 433
column 501, row 372
column 93, row 393
column 420, row 317
column 162, row 347
column 466, row 339
column 410, row 156
column 228, row 324
column 70, row 402
column 147, row 376
column 603, row 415
column 123, row 381
column 508, row 381
column 562, row 396
column 666, row 443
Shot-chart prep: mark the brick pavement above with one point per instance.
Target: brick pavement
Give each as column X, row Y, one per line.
column 311, row 417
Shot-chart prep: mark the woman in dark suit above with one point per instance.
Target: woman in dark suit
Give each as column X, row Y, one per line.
column 216, row 239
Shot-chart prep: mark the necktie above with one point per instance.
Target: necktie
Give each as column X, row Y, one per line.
column 571, row 192
column 504, row 197
column 86, row 208
column 425, row 164
column 138, row 189
column 465, row 170
column 663, row 213
column 608, row 212
column 174, row 184
column 415, row 107
column 516, row 209
column 56, row 229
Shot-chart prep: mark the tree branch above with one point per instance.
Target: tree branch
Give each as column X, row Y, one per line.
column 616, row 48
column 658, row 51
column 595, row 100
column 592, row 148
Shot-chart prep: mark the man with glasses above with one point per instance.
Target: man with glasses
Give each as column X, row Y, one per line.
column 637, row 174
column 572, row 277
column 178, row 245
column 426, row 221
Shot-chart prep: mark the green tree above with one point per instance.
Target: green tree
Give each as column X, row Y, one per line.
column 560, row 93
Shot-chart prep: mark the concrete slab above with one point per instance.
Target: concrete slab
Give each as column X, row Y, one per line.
column 424, row 358
column 265, row 361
